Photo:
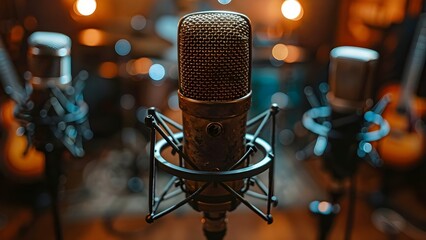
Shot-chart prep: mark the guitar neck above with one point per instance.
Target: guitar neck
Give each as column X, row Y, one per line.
column 9, row 78
column 414, row 65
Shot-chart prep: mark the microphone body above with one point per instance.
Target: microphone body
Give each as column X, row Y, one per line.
column 341, row 160
column 55, row 112
column 214, row 142
column 351, row 74
column 214, row 54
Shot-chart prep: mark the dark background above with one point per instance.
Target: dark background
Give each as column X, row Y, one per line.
column 98, row 200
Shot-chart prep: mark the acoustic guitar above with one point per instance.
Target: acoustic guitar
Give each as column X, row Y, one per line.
column 17, row 161
column 404, row 145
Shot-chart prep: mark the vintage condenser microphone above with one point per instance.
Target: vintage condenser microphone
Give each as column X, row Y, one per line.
column 214, row 52
column 214, row 55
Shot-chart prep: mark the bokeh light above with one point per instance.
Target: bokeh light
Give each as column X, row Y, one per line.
column 367, row 147
column 142, row 65
column 91, row 37
column 295, row 54
column 138, row 66
column 127, row 101
column 292, row 10
column 280, row 98
column 108, row 70
column 157, row 72
column 17, row 33
column 85, row 7
column 173, row 101
column 138, row 22
column 325, row 207
column 280, row 51
column 122, row 47
column 30, row 23
column 224, row 2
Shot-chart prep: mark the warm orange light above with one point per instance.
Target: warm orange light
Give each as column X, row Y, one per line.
column 138, row 66
column 142, row 65
column 295, row 54
column 291, row 9
column 17, row 33
column 85, row 7
column 108, row 70
column 91, row 37
column 280, row 51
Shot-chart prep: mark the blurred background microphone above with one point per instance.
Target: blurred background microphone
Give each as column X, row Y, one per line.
column 343, row 127
column 55, row 114
column 351, row 76
column 214, row 53
column 49, row 64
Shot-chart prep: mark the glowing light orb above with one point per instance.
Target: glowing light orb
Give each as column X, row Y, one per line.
column 123, row 47
column 224, row 2
column 291, row 9
column 91, row 37
column 157, row 72
column 138, row 22
column 85, row 7
column 280, row 51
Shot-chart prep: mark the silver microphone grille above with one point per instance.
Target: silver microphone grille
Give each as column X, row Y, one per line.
column 49, row 58
column 352, row 71
column 214, row 50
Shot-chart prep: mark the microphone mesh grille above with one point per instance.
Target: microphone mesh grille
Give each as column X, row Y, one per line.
column 214, row 56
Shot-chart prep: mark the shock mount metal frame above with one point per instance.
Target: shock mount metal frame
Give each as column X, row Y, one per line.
column 246, row 170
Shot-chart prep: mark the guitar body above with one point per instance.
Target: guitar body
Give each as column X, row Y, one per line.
column 16, row 163
column 404, row 146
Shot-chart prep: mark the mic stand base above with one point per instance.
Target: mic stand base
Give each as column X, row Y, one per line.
column 53, row 168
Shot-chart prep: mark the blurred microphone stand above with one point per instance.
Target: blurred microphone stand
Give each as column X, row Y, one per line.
column 60, row 124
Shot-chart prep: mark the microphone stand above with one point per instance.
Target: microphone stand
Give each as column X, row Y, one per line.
column 341, row 161
column 53, row 171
